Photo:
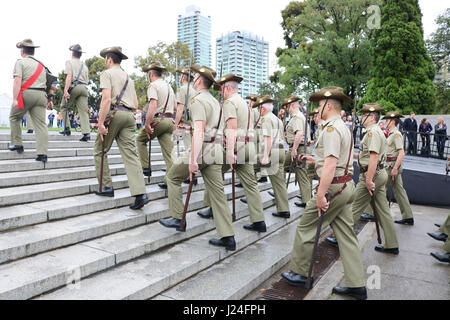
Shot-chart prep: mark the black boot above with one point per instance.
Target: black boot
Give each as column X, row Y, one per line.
column 332, row 241
column 441, row 257
column 285, row 215
column 173, row 223
column 188, row 181
column 271, row 194
column 300, row 204
column 294, row 279
column 86, row 137
column 367, row 217
column 42, row 157
column 66, row 131
column 239, row 185
column 206, row 214
column 244, row 199
column 380, row 248
column 262, row 179
column 228, row 242
column 357, row 293
column 162, row 186
column 147, row 172
column 140, row 201
column 30, row 131
column 19, row 149
column 409, row 222
column 256, row 226
column 438, row 236
column 106, row 192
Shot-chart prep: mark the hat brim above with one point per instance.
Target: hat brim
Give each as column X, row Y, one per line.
column 316, row 97
column 388, row 118
column 104, row 52
column 287, row 103
column 263, row 102
column 20, row 45
column 206, row 73
column 147, row 69
column 76, row 50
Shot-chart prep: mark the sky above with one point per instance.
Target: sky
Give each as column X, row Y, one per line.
column 135, row 25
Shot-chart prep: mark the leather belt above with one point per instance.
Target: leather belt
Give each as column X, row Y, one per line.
column 389, row 159
column 245, row 139
column 213, row 140
column 122, row 108
column 279, row 146
column 258, row 127
column 37, row 89
column 364, row 169
column 342, row 179
column 300, row 145
column 164, row 115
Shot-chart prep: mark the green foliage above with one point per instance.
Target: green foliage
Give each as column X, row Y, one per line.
column 402, row 71
column 327, row 44
column 172, row 56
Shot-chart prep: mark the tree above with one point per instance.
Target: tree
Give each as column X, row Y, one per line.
column 169, row 55
column 326, row 45
column 402, row 71
column 439, row 49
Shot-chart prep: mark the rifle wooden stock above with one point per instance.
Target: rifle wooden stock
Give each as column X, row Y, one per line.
column 291, row 168
column 149, row 159
column 233, row 193
column 310, row 281
column 377, row 225
column 186, row 204
column 101, row 164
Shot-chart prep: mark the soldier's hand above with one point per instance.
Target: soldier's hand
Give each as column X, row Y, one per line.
column 148, row 129
column 394, row 173
column 193, row 169
column 322, row 204
column 15, row 104
column 370, row 185
column 293, row 154
column 265, row 161
column 102, row 130
column 66, row 95
column 231, row 159
column 309, row 159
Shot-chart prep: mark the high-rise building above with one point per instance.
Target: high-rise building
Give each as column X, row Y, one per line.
column 195, row 30
column 246, row 55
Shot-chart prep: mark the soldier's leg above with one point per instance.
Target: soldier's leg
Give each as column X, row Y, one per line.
column 38, row 102
column 164, row 132
column 82, row 106
column 63, row 106
column 206, row 199
column 15, row 119
column 361, row 201
column 127, row 148
column 141, row 144
column 401, row 197
column 248, row 179
column 349, row 249
column 445, row 227
column 113, row 130
column 179, row 171
column 383, row 212
column 307, row 228
column 447, row 245
column 304, row 183
column 279, row 186
column 30, row 125
column 212, row 176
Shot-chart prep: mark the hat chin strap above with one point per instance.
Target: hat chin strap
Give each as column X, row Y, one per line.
column 321, row 114
column 368, row 115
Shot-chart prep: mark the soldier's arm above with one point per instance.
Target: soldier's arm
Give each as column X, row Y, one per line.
column 298, row 139
column 67, row 84
column 151, row 110
column 231, row 136
column 197, row 140
column 373, row 163
column 268, row 146
column 104, row 106
column 328, row 170
column 16, row 89
column 179, row 114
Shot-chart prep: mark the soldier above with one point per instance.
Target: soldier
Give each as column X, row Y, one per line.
column 394, row 159
column 76, row 82
column 118, row 104
column 257, row 126
column 29, row 95
column 271, row 154
column 373, row 177
column 241, row 152
column 296, row 138
column 333, row 164
column 206, row 155
column 443, row 236
column 159, row 122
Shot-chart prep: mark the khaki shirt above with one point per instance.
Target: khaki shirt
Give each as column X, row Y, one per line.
column 271, row 126
column 394, row 143
column 114, row 79
column 73, row 68
column 25, row 68
column 256, row 118
column 236, row 108
column 373, row 141
column 158, row 90
column 334, row 140
column 204, row 107
column 297, row 123
column 181, row 98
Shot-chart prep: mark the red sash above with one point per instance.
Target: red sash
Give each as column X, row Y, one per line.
column 29, row 83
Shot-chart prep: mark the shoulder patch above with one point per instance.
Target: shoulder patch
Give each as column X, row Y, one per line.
column 295, row 117
column 262, row 120
column 226, row 101
column 397, row 136
column 369, row 134
column 330, row 129
column 192, row 101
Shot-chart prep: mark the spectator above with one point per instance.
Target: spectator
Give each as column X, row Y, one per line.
column 72, row 119
column 410, row 127
column 384, row 129
column 138, row 116
column 59, row 121
column 349, row 123
column 356, row 124
column 440, row 136
column 51, row 116
column 425, row 130
column 24, row 120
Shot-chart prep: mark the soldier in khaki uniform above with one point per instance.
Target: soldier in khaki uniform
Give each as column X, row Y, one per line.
column 271, row 154
column 373, row 177
column 240, row 149
column 182, row 115
column 29, row 95
column 116, row 84
column 159, row 122
column 76, row 81
column 333, row 163
column 295, row 136
column 394, row 159
column 206, row 155
column 257, row 126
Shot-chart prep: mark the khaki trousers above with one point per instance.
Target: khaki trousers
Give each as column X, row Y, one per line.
column 400, row 194
column 79, row 96
column 302, row 175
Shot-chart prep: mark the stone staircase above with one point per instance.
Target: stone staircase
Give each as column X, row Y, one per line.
column 58, row 240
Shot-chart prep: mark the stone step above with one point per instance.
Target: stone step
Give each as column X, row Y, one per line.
column 56, row 190
column 148, row 276
column 64, row 162
column 31, row 240
column 242, row 272
column 63, row 144
column 52, row 153
column 35, row 275
column 15, row 179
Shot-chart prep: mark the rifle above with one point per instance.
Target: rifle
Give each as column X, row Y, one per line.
column 149, row 158
column 186, row 204
column 310, row 280
column 176, row 90
column 372, row 204
column 305, row 137
column 67, row 116
column 101, row 165
column 291, row 168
